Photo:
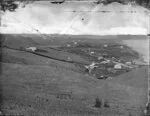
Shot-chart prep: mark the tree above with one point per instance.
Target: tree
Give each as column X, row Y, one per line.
column 98, row 103
column 139, row 2
column 8, row 5
column 106, row 104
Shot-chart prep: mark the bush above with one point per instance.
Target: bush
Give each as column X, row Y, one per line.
column 130, row 114
column 98, row 103
column 8, row 5
column 106, row 104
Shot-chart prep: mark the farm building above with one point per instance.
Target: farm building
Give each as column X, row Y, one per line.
column 105, row 45
column 68, row 45
column 105, row 62
column 31, row 48
column 92, row 52
column 100, row 58
column 69, row 59
column 128, row 63
column 90, row 67
column 118, row 66
column 75, row 43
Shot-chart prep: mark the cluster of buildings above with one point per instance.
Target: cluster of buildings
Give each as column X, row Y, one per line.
column 110, row 64
column 104, row 62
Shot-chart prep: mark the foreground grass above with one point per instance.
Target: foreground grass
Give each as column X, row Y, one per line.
column 47, row 91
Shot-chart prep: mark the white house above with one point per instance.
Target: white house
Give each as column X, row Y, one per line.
column 128, row 63
column 31, row 48
column 75, row 43
column 69, row 59
column 118, row 66
column 121, row 47
column 92, row 52
column 100, row 58
column 91, row 67
column 1, row 113
column 68, row 45
column 105, row 45
column 105, row 62
column 108, row 61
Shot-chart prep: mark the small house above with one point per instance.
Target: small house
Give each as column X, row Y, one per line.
column 121, row 47
column 92, row 52
column 100, row 58
column 33, row 49
column 128, row 63
column 108, row 61
column 105, row 45
column 105, row 61
column 90, row 67
column 75, row 43
column 69, row 59
column 68, row 45
column 118, row 66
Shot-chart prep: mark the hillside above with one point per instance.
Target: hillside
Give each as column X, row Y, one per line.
column 46, row 83
column 46, row 90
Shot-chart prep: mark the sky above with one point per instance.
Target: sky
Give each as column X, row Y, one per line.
column 77, row 18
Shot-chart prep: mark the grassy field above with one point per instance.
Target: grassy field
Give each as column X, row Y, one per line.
column 33, row 85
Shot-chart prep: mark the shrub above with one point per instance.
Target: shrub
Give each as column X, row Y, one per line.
column 8, row 5
column 130, row 114
column 106, row 104
column 98, row 103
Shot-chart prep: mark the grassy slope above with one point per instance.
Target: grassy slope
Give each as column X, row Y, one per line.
column 25, row 58
column 34, row 89
column 46, row 87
